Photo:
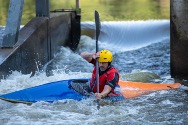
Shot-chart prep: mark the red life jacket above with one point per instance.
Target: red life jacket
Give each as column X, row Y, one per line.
column 102, row 81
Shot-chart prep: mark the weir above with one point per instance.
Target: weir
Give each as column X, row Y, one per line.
column 28, row 49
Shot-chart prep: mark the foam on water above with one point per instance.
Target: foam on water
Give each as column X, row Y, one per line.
column 157, row 108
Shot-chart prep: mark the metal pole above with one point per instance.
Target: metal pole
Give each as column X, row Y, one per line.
column 42, row 8
column 13, row 23
column 77, row 4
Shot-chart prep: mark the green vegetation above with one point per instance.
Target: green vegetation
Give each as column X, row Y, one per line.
column 110, row 10
column 113, row 10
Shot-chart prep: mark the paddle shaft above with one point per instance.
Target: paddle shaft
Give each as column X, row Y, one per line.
column 97, row 23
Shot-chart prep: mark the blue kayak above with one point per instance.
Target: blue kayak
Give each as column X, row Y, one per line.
column 48, row 92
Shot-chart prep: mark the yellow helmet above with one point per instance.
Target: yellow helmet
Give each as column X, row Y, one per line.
column 105, row 56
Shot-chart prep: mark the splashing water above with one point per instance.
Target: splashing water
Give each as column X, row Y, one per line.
column 142, row 45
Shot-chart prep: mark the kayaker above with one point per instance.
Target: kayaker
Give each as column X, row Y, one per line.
column 108, row 74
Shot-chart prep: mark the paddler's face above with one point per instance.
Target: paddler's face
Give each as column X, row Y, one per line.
column 103, row 66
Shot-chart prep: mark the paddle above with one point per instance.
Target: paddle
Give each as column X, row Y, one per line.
column 98, row 26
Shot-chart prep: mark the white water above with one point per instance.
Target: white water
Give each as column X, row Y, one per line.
column 149, row 51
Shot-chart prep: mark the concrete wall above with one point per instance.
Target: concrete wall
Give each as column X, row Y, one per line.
column 179, row 38
column 38, row 41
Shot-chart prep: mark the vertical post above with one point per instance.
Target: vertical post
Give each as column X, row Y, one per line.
column 78, row 10
column 42, row 8
column 77, row 4
column 179, row 39
column 13, row 23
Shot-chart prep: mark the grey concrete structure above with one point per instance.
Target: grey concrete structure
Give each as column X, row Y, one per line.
column 179, row 38
column 38, row 40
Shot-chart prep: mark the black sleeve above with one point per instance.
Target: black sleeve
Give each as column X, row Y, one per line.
column 93, row 61
column 112, row 83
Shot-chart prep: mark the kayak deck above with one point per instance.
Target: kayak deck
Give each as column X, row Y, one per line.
column 61, row 90
column 134, row 89
column 49, row 92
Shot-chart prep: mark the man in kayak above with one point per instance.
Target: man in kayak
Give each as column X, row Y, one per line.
column 108, row 74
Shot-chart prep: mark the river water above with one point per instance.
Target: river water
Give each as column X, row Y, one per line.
column 137, row 46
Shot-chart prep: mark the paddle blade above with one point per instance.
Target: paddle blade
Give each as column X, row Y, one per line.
column 98, row 24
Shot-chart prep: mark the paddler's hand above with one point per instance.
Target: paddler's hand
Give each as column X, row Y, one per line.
column 95, row 55
column 98, row 95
